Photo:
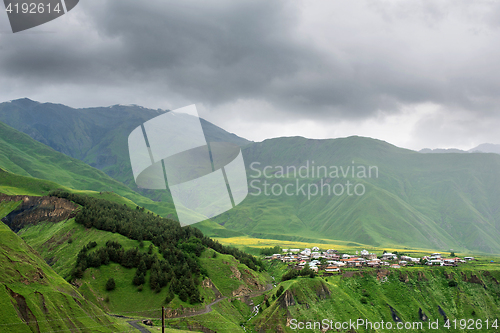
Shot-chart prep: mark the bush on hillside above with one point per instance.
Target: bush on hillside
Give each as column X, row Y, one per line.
column 110, row 285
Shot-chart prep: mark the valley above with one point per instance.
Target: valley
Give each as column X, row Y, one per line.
column 86, row 242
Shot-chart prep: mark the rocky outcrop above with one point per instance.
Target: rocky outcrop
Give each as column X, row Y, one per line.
column 241, row 291
column 323, row 292
column 236, row 273
column 207, row 283
column 23, row 311
column 286, row 299
column 33, row 210
column 174, row 313
column 473, row 279
column 403, row 277
column 421, row 276
column 382, row 273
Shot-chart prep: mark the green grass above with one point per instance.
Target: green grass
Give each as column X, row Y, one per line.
column 223, row 267
column 429, row 201
column 52, row 304
column 26, row 157
column 51, row 240
column 364, row 296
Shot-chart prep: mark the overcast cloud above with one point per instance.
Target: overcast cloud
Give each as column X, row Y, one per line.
column 414, row 73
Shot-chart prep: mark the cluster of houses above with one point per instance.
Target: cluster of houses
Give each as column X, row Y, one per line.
column 332, row 261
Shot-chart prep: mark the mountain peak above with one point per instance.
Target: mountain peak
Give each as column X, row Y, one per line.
column 486, row 148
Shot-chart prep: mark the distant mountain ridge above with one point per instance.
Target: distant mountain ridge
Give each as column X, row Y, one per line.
column 482, row 148
column 486, row 148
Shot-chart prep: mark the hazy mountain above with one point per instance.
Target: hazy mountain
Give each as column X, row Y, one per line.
column 482, row 148
column 441, row 151
column 486, row 148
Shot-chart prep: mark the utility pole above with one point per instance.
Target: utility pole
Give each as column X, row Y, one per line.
column 162, row 319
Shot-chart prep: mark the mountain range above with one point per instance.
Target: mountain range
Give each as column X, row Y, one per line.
column 482, row 148
column 435, row 201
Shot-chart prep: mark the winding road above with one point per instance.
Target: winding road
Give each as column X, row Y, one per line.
column 207, row 309
column 134, row 324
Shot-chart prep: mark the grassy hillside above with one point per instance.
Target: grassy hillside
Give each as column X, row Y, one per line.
column 227, row 277
column 26, row 157
column 60, row 244
column 441, row 201
column 96, row 136
column 34, row 298
column 460, row 293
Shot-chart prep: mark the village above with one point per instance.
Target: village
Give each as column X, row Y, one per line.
column 331, row 261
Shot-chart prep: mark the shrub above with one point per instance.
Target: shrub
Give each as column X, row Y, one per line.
column 139, row 279
column 110, row 285
column 170, row 297
column 279, row 291
column 452, row 283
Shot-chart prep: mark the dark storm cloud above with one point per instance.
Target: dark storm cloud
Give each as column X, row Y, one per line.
column 307, row 59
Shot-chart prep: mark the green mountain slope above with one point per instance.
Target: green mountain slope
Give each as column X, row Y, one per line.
column 438, row 201
column 441, row 201
column 26, row 157
column 34, row 298
column 96, row 136
column 61, row 243
column 472, row 295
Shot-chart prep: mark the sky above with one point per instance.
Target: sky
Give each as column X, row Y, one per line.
column 417, row 74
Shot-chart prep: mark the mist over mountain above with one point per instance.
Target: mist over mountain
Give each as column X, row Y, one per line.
column 441, row 151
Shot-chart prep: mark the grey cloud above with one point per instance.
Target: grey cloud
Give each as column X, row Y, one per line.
column 364, row 57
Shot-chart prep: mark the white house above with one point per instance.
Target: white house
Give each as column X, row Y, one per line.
column 389, row 256
column 331, row 269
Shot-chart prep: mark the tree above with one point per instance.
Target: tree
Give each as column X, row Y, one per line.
column 139, row 278
column 279, row 291
column 183, row 295
column 170, row 297
column 110, row 285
